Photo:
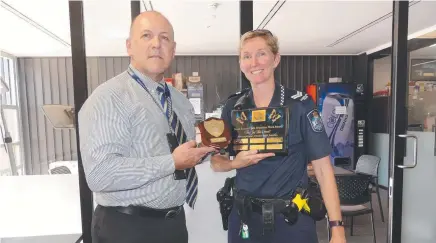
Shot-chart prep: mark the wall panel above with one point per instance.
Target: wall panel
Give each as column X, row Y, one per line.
column 298, row 71
column 50, row 81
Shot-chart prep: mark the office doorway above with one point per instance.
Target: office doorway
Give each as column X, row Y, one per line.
column 412, row 136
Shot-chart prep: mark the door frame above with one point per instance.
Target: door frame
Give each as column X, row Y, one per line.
column 398, row 117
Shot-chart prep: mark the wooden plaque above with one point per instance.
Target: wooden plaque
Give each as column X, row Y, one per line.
column 215, row 132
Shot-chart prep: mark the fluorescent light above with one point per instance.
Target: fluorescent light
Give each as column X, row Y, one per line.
column 423, row 63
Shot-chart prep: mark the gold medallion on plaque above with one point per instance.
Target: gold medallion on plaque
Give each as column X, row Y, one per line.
column 214, row 127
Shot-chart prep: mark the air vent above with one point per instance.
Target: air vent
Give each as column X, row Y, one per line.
column 148, row 6
column 271, row 14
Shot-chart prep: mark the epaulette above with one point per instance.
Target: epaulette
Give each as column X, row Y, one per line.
column 239, row 93
column 298, row 95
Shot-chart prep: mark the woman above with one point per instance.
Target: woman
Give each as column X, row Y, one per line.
column 270, row 176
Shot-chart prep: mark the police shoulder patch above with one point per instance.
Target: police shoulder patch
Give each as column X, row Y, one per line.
column 315, row 121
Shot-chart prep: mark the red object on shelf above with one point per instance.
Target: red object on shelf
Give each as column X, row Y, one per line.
column 169, row 81
column 312, row 92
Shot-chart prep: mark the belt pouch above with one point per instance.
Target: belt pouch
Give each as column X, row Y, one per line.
column 244, row 207
column 268, row 217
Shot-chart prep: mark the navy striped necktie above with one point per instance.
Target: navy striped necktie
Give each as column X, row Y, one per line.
column 192, row 179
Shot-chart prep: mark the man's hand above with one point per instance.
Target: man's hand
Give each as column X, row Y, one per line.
column 338, row 235
column 187, row 155
column 247, row 158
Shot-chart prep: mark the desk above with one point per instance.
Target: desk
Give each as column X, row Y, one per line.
column 49, row 205
column 337, row 171
column 38, row 205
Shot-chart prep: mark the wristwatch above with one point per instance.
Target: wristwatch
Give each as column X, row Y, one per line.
column 336, row 223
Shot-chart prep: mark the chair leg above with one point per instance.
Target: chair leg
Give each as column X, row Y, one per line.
column 380, row 205
column 351, row 227
column 373, row 227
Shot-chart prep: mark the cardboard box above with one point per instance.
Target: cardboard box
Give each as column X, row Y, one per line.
column 178, row 81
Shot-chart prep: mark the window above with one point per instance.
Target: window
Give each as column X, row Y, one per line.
column 9, row 116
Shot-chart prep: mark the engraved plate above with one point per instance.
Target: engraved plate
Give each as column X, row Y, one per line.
column 263, row 129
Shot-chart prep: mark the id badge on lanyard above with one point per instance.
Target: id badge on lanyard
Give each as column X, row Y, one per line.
column 139, row 81
column 171, row 137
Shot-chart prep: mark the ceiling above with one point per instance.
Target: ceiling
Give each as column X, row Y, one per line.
column 303, row 27
column 427, row 52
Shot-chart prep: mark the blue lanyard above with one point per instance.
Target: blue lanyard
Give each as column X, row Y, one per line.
column 139, row 81
column 166, row 94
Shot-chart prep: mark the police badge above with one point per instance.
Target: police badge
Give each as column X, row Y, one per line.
column 315, row 121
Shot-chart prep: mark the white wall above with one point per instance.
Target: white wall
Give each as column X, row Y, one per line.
column 382, row 73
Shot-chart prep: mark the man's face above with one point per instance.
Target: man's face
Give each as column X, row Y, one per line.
column 151, row 45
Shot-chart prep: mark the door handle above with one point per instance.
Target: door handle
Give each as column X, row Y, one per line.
column 415, row 151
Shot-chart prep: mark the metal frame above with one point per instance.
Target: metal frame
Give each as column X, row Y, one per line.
column 135, row 9
column 245, row 24
column 80, row 84
column 398, row 113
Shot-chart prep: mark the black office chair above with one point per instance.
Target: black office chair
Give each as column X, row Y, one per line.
column 354, row 193
column 369, row 164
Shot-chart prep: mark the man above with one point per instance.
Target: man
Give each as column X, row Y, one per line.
column 128, row 129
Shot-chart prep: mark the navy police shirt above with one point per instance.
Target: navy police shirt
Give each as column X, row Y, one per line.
column 279, row 176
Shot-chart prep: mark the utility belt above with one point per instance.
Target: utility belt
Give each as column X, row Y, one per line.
column 305, row 201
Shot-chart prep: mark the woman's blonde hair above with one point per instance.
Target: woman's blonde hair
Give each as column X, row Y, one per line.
column 270, row 39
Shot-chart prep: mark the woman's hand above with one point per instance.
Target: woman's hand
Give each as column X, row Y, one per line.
column 247, row 158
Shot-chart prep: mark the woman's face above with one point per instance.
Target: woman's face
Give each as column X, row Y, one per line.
column 257, row 61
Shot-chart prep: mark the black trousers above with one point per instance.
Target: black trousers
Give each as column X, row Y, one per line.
column 111, row 226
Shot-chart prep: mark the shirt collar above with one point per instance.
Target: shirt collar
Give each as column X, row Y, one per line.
column 148, row 82
column 275, row 101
